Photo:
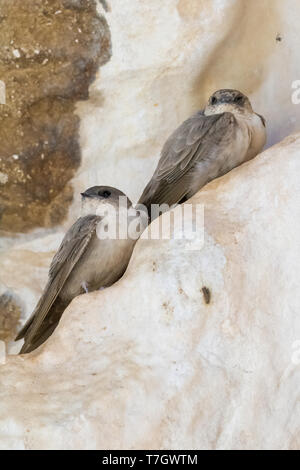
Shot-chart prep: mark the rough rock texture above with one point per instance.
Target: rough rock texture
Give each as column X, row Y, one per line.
column 156, row 362
column 50, row 52
column 24, row 266
column 10, row 313
column 167, row 58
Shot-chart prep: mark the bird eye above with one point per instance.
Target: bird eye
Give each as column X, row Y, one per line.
column 238, row 99
column 213, row 100
column 104, row 194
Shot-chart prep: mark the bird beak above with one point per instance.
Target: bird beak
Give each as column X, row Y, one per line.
column 85, row 195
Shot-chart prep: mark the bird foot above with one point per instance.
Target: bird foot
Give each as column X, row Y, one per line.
column 102, row 288
column 85, row 287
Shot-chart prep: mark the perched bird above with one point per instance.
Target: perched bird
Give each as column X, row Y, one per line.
column 88, row 258
column 207, row 145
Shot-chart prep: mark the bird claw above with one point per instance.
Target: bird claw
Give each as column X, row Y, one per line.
column 85, row 287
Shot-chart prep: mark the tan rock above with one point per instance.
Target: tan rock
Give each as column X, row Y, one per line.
column 10, row 312
column 46, row 66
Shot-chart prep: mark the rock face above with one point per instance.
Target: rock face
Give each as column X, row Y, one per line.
column 195, row 347
column 168, row 57
column 10, row 313
column 49, row 54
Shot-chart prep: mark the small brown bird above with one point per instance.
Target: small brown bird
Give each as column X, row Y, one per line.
column 87, row 259
column 207, row 145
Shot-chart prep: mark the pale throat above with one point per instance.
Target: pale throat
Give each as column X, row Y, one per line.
column 90, row 206
column 227, row 108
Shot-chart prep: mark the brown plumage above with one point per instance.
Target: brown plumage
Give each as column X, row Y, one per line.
column 82, row 261
column 204, row 147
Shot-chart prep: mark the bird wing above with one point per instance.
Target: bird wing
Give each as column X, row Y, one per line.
column 70, row 251
column 198, row 138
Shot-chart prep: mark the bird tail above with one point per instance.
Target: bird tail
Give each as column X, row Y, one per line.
column 162, row 193
column 44, row 331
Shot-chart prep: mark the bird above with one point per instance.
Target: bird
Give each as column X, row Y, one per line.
column 89, row 258
column 207, row 145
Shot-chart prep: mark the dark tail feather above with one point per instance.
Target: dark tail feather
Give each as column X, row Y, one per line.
column 164, row 193
column 27, row 348
column 46, row 329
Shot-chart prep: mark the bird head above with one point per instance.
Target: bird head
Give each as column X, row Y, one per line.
column 228, row 101
column 116, row 211
column 99, row 198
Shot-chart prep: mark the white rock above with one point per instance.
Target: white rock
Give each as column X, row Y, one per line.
column 16, row 53
column 2, row 353
column 148, row 363
column 3, row 178
column 24, row 264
